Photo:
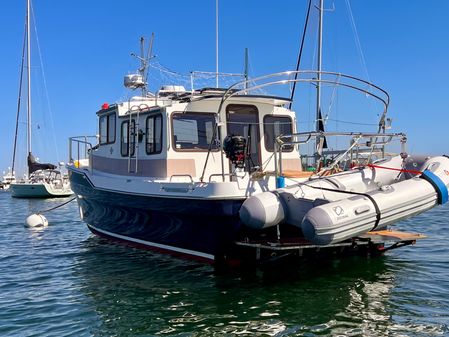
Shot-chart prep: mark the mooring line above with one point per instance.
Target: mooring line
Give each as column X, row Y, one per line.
column 51, row 209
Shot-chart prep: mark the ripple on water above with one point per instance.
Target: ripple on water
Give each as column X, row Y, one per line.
column 62, row 281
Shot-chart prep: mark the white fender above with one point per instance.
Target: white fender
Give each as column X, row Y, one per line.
column 262, row 210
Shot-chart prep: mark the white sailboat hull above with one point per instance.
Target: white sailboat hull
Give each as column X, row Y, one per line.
column 39, row 190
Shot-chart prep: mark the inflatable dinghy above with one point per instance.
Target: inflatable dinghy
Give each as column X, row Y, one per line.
column 348, row 204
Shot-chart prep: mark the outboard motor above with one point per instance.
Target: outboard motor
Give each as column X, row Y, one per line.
column 234, row 148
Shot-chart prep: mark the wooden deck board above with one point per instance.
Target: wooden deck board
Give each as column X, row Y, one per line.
column 392, row 235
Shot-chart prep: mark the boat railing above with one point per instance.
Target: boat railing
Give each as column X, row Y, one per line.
column 313, row 77
column 80, row 149
column 363, row 147
column 230, row 175
column 176, row 176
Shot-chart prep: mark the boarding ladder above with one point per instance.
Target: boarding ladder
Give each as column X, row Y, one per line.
column 133, row 134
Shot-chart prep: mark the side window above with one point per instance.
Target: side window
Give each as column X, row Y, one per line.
column 275, row 126
column 128, row 138
column 103, row 129
column 154, row 134
column 107, row 129
column 111, row 128
column 193, row 131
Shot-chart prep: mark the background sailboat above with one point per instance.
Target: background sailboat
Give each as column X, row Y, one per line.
column 42, row 180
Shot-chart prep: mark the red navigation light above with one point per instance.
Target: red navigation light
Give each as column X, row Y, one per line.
column 105, row 106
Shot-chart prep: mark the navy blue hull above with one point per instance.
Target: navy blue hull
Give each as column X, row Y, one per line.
column 201, row 228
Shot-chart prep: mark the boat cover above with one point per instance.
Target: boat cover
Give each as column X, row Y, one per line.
column 33, row 165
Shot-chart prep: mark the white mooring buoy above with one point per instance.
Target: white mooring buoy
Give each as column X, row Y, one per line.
column 36, row 220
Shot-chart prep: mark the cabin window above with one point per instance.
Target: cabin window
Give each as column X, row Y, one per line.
column 193, row 131
column 275, row 126
column 111, row 129
column 243, row 120
column 128, row 138
column 154, row 134
column 107, row 129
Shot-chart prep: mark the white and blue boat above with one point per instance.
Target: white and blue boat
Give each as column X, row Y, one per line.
column 207, row 173
column 221, row 175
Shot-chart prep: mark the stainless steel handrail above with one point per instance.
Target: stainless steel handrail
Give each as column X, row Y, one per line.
column 244, row 87
column 87, row 148
column 311, row 134
column 221, row 175
column 302, row 76
column 181, row 175
column 289, row 140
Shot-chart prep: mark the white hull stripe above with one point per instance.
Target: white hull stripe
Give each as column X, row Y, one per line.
column 161, row 196
column 156, row 245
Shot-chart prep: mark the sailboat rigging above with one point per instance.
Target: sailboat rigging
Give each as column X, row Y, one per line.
column 42, row 180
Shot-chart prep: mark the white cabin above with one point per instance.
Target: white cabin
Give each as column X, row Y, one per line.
column 168, row 137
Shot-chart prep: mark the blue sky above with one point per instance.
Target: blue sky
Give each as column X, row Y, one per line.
column 86, row 46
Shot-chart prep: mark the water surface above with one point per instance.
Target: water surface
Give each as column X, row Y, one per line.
column 63, row 281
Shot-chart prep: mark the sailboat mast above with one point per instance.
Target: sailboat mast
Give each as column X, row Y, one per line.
column 320, row 54
column 28, row 79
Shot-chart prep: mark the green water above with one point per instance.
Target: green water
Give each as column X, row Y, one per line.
column 63, row 281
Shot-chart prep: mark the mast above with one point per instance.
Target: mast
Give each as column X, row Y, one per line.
column 320, row 54
column 19, row 98
column 321, row 142
column 28, row 80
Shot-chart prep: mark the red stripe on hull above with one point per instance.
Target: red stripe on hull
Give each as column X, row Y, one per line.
column 149, row 247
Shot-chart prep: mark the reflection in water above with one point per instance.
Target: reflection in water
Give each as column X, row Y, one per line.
column 141, row 293
column 63, row 281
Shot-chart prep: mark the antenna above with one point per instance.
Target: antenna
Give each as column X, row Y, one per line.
column 148, row 58
column 245, row 72
column 143, row 62
column 140, row 80
column 216, row 43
